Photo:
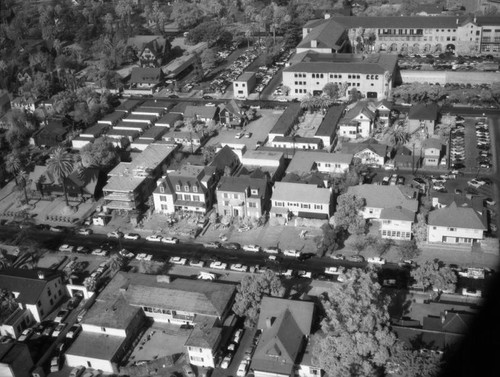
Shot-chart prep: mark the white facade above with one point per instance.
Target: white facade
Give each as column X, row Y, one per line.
column 396, row 229
column 332, row 167
column 371, row 212
column 202, row 357
column 308, row 371
column 163, row 202
column 453, row 235
column 431, row 156
column 367, row 156
column 104, row 330
column 47, row 302
column 105, row 365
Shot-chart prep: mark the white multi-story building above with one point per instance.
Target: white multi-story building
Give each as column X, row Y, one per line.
column 202, row 346
column 396, row 223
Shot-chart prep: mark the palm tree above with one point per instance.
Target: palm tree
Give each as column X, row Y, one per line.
column 13, row 164
column 308, row 102
column 399, row 136
column 61, row 164
column 23, row 182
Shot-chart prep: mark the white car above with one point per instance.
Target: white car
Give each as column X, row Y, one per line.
column 126, row 254
column 178, row 260
column 253, row 248
column 154, row 238
column 471, row 293
column 207, row 276
column 84, row 232
column 376, row 260
column 73, row 331
column 218, row 265
column 131, row 236
column 26, row 334
column 304, row 274
column 332, row 270
column 239, row 135
column 475, row 183
column 242, row 369
column 100, row 252
column 197, row 263
column 59, row 328
column 144, row 256
column 271, row 250
column 237, row 336
column 291, row 253
column 226, row 361
column 67, row 248
column 239, row 267
column 54, row 364
column 115, row 234
column 170, row 240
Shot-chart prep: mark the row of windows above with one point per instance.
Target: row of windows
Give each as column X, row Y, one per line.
column 186, row 188
column 394, row 233
column 317, row 76
column 307, row 146
column 250, row 204
column 195, row 349
column 299, row 75
column 301, row 205
column 300, row 82
column 489, row 30
column 189, row 198
column 242, row 84
column 301, row 91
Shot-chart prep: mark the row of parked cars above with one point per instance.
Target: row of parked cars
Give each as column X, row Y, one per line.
column 483, row 144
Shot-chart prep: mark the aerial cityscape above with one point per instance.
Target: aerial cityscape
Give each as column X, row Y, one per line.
column 232, row 188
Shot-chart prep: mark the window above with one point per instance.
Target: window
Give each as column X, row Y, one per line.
column 252, row 205
column 318, row 206
column 306, row 206
column 164, row 207
column 196, row 198
column 225, row 195
column 279, row 204
column 236, row 196
column 49, row 292
column 452, row 229
column 103, row 329
column 236, row 84
column 187, row 197
column 163, row 198
column 186, row 188
column 177, row 187
column 89, row 364
column 226, row 203
column 162, row 189
column 195, row 188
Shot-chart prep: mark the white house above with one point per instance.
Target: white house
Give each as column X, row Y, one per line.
column 357, row 122
column 38, row 291
column 330, row 163
column 297, row 142
column 202, row 346
column 396, row 222
column 301, row 200
column 244, row 84
column 432, row 151
column 456, row 224
column 367, row 153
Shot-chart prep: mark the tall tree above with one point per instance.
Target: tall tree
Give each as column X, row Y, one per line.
column 348, row 215
column 13, row 163
column 100, row 154
column 61, row 164
column 356, row 339
column 405, row 362
column 250, row 292
column 331, row 90
column 431, row 274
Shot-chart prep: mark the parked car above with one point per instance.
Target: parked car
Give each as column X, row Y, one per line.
column 100, row 252
column 471, row 292
column 237, row 336
column 291, row 253
column 196, row 263
column 252, row 248
column 239, row 135
column 238, row 267
column 490, row 201
column 131, row 236
column 203, row 275
column 84, row 231
column 304, row 256
column 59, row 328
column 61, row 315
column 386, row 180
column 332, row 270
column 103, row 266
column 126, row 254
column 144, row 256
column 48, row 329
column 54, row 364
column 178, row 260
column 400, row 180
column 231, row 246
column 242, row 369
column 356, row 258
column 67, row 248
column 338, row 257
column 218, row 265
column 57, row 229
column 170, row 240
column 26, row 334
column 77, row 371
column 73, row 331
column 226, row 361
column 115, row 234
column 212, row 245
column 271, row 250
column 154, row 238
column 74, row 301
column 376, row 260
column 475, row 183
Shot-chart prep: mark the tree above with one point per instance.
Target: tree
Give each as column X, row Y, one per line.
column 348, row 215
column 22, row 179
column 123, row 10
column 90, row 284
column 208, row 59
column 356, row 339
column 208, row 153
column 331, row 90
column 100, row 154
column 13, row 163
column 409, row 363
column 419, row 229
column 308, row 102
column 359, row 243
column 250, row 292
column 61, row 164
column 186, row 14
column 408, row 250
column 329, row 241
column 117, row 263
column 431, row 274
column 8, row 304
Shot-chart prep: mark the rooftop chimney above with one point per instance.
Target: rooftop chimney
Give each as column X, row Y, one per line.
column 314, row 43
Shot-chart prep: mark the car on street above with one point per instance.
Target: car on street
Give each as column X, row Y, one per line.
column 59, row 328
column 226, row 361
column 291, row 253
column 196, row 263
column 356, row 258
column 471, row 292
column 48, row 329
column 271, row 250
column 203, row 275
column 237, row 336
column 274, row 258
column 102, row 267
column 115, row 234
column 131, row 236
column 73, row 331
column 242, row 369
column 82, row 250
column 126, row 254
column 376, row 260
column 304, row 274
column 218, row 265
column 154, row 238
column 61, row 315
column 26, row 334
column 400, row 180
column 212, row 245
column 77, row 371
column 252, row 248
column 100, row 252
column 239, row 135
column 394, row 179
column 67, row 248
column 238, row 267
column 144, row 256
column 84, row 231
column 170, row 240
column 337, row 257
column 332, row 270
column 57, row 229
column 305, row 256
column 490, row 201
column 231, row 246
column 74, row 301
column 386, row 180
column 178, row 260
column 54, row 364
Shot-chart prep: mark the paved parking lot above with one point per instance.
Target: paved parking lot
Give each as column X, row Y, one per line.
column 245, row 343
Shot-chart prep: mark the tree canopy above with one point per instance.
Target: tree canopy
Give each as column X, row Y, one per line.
column 348, row 215
column 431, row 274
column 99, row 154
column 250, row 292
column 356, row 339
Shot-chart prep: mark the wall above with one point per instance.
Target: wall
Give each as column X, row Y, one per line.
column 108, row 331
column 449, row 77
column 170, row 203
column 205, row 353
column 105, row 365
column 46, row 306
column 435, row 235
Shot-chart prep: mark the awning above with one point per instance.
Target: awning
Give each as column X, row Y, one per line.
column 313, row 215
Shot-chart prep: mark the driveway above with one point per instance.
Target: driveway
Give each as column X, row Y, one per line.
column 246, row 342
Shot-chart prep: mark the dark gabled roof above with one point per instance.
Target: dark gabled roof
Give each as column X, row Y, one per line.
column 302, row 312
column 397, row 213
column 204, row 337
column 27, row 282
column 146, row 75
column 232, row 107
column 446, row 198
column 315, row 178
column 225, row 157
column 326, row 35
column 241, row 183
column 128, row 105
column 200, row 111
column 329, row 123
column 378, row 196
column 432, row 143
column 287, row 119
column 155, row 133
column 112, row 117
column 297, row 139
column 422, row 111
column 359, row 108
column 354, row 148
column 458, row 217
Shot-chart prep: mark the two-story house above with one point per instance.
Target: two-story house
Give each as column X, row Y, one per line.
column 145, row 80
column 202, row 346
column 201, row 113
column 231, row 115
column 38, row 291
column 242, row 196
column 357, row 122
column 393, row 207
column 244, row 84
column 286, row 327
column 423, row 117
column 191, row 188
column 367, row 153
column 300, row 200
column 432, row 150
column 456, row 224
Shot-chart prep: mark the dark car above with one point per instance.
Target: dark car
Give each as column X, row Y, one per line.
column 42, row 227
column 208, row 97
column 173, row 96
column 73, row 303
column 231, row 246
column 400, row 180
column 356, row 258
column 304, row 256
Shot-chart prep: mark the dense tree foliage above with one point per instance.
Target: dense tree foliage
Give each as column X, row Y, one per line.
column 432, row 275
column 100, row 154
column 347, row 214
